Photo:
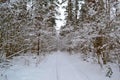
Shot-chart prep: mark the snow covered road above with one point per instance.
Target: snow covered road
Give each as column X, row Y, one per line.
column 65, row 69
column 56, row 66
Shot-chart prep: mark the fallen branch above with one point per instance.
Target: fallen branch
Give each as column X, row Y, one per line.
column 17, row 53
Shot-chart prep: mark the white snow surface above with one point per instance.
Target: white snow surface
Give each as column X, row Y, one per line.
column 55, row 66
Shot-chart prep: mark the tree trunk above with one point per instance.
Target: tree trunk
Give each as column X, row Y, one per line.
column 38, row 44
column 76, row 11
column 69, row 10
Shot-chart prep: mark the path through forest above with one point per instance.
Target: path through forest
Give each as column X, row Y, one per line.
column 56, row 66
column 59, row 67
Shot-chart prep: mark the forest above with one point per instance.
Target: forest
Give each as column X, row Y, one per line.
column 90, row 28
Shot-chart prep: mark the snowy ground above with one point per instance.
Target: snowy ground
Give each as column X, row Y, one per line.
column 56, row 66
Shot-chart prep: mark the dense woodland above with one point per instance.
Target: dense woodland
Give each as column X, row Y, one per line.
column 92, row 28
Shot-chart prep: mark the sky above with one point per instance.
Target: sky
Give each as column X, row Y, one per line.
column 62, row 20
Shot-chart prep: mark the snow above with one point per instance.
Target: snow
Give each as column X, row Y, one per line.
column 59, row 65
column 55, row 66
column 61, row 18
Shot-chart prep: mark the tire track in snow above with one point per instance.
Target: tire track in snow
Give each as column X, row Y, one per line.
column 77, row 74
column 80, row 71
column 57, row 75
column 67, row 70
